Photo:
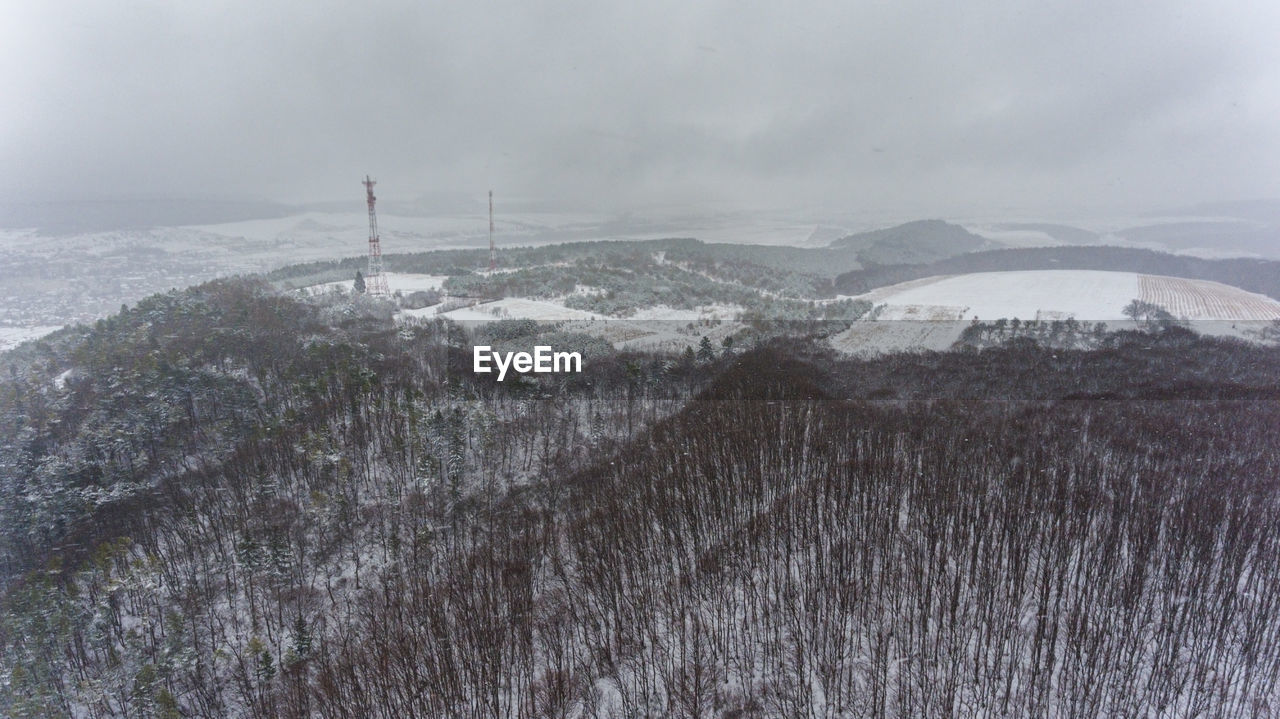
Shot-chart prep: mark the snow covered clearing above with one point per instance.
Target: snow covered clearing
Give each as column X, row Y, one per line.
column 869, row 338
column 61, row 380
column 930, row 313
column 1206, row 300
column 658, row 335
column 429, row 312
column 659, row 328
column 717, row 311
column 1086, row 295
column 11, row 337
column 396, row 282
column 516, row 308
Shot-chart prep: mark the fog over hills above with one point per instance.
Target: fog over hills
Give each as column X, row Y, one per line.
column 56, row 274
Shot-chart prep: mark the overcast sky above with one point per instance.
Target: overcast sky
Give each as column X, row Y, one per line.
column 944, row 106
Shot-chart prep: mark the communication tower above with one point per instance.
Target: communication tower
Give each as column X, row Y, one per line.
column 375, row 281
column 493, row 254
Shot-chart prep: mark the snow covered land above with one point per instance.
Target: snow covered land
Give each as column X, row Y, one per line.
column 1057, row 294
column 396, row 282
column 660, row 328
column 515, row 308
column 930, row 313
column 48, row 280
column 13, row 336
column 52, row 280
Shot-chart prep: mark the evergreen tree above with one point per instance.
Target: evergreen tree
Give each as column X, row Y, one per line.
column 359, row 285
column 266, row 667
column 301, row 638
column 167, row 705
column 705, row 352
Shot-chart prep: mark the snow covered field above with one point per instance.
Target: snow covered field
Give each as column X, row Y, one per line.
column 553, row 311
column 659, row 328
column 515, row 308
column 924, row 314
column 1025, row 295
column 11, row 337
column 396, row 281
column 701, row 312
column 930, row 313
column 1205, row 300
column 1085, row 295
column 870, row 338
column 658, row 335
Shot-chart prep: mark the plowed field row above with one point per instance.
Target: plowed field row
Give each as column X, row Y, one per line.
column 1202, row 299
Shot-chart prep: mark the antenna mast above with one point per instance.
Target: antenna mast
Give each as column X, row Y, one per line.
column 493, row 255
column 375, row 281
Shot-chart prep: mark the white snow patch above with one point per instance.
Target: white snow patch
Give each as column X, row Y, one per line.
column 1026, row 295
column 11, row 337
column 870, row 338
column 403, row 282
column 702, row 312
column 930, row 313
column 519, row 308
column 428, row 312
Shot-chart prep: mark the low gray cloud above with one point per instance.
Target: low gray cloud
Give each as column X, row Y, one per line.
column 856, row 105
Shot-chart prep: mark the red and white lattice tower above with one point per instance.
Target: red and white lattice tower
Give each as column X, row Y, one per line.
column 375, row 281
column 493, row 254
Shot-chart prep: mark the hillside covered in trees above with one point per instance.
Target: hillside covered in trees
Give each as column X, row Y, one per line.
column 911, row 243
column 227, row 501
column 635, row 267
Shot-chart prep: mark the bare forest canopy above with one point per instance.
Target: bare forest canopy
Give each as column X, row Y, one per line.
column 231, row 502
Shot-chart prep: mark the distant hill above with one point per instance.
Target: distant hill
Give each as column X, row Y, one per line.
column 1264, row 211
column 795, row 271
column 1226, row 237
column 1066, row 234
column 919, row 241
column 779, row 269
